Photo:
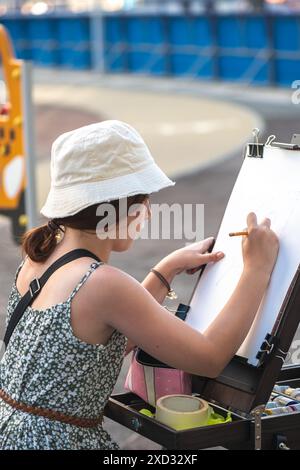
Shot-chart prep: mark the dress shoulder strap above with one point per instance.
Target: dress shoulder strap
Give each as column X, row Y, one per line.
column 37, row 284
column 84, row 278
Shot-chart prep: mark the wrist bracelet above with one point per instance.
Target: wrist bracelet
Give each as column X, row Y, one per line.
column 171, row 293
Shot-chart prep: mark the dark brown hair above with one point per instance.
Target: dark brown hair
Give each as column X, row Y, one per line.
column 40, row 242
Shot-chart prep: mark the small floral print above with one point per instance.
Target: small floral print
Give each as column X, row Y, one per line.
column 45, row 365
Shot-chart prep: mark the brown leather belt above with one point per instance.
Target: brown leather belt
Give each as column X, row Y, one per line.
column 51, row 414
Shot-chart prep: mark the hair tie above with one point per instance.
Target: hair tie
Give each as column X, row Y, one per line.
column 54, row 226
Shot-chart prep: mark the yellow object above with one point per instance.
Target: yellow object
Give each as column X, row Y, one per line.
column 16, row 73
column 186, row 412
column 239, row 234
column 215, row 418
column 17, row 121
column 182, row 411
column 146, row 412
column 11, row 129
column 23, row 220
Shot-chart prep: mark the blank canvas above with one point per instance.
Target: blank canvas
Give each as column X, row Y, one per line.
column 270, row 187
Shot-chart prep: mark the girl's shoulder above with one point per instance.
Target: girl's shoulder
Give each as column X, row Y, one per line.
column 19, row 267
column 110, row 286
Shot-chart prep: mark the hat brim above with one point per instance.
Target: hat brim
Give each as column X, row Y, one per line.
column 69, row 200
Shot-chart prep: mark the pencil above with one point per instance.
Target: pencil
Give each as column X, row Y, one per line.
column 238, row 234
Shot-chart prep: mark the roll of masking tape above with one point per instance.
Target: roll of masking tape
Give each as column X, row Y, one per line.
column 182, row 411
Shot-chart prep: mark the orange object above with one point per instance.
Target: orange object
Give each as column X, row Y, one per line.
column 238, row 234
column 12, row 154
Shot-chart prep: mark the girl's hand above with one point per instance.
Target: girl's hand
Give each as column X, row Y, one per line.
column 261, row 246
column 193, row 256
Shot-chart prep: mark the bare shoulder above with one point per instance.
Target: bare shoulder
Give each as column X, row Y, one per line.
column 110, row 272
column 116, row 290
column 111, row 297
column 112, row 281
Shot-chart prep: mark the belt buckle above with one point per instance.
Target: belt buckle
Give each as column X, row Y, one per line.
column 34, row 288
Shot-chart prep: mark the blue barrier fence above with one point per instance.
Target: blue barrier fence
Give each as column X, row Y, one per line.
column 256, row 49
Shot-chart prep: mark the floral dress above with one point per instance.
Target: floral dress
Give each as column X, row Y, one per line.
column 46, row 365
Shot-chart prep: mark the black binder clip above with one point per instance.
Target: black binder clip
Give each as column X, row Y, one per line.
column 255, row 149
column 266, row 348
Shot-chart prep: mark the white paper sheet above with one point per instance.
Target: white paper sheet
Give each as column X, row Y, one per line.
column 269, row 186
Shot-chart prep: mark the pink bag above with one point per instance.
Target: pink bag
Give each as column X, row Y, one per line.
column 150, row 383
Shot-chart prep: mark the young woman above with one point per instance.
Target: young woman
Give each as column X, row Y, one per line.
column 65, row 354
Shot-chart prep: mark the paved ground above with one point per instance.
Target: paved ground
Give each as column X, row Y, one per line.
column 183, row 132
column 210, row 186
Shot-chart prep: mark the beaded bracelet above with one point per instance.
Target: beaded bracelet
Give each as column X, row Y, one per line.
column 171, row 293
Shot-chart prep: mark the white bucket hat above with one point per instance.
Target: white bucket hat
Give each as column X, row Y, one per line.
column 97, row 163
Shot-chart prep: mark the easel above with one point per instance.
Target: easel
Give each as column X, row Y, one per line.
column 242, row 388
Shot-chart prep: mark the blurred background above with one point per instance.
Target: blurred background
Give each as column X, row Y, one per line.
column 250, row 41
column 41, row 7
column 193, row 76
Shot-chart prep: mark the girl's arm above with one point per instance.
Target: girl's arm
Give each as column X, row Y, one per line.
column 133, row 311
column 174, row 342
column 156, row 288
column 194, row 255
column 191, row 256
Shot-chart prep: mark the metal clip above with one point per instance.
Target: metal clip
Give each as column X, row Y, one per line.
column 284, row 355
column 269, row 348
column 281, row 442
column 283, row 446
column 266, row 348
column 296, row 139
column 34, row 288
column 255, row 149
column 255, row 132
column 270, row 139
